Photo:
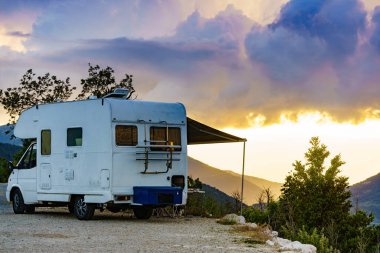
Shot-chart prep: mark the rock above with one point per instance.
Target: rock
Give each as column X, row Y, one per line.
column 251, row 225
column 269, row 243
column 297, row 247
column 274, row 234
column 234, row 218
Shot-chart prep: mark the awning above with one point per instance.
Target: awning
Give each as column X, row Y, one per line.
column 198, row 133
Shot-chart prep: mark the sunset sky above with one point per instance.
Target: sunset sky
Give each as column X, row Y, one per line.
column 274, row 71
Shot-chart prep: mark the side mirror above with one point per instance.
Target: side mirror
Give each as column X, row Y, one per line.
column 10, row 166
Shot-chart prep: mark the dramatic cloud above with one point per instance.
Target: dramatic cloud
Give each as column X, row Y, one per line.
column 375, row 39
column 307, row 35
column 229, row 68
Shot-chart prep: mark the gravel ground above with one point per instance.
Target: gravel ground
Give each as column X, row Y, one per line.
column 55, row 230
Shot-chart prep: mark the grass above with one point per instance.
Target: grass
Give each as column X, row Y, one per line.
column 226, row 222
column 252, row 235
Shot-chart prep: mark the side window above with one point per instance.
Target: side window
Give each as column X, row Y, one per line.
column 74, row 136
column 126, row 135
column 165, row 136
column 46, row 142
column 175, row 136
column 30, row 158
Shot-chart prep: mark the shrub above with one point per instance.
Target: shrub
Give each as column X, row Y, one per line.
column 255, row 215
column 319, row 240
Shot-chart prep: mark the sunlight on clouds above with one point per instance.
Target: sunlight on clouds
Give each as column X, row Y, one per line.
column 13, row 42
column 15, row 29
column 371, row 4
column 261, row 11
column 271, row 150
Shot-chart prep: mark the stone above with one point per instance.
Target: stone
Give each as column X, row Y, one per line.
column 234, row 218
column 251, row 225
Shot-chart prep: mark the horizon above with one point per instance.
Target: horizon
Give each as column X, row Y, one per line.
column 276, row 72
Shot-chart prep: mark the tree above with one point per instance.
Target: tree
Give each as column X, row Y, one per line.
column 34, row 90
column 315, row 195
column 194, row 184
column 101, row 82
column 237, row 199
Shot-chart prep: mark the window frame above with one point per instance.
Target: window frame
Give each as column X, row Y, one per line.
column 67, row 136
column 48, row 130
column 137, row 135
column 167, row 134
column 27, row 155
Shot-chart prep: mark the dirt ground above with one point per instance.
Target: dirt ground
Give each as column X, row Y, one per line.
column 55, row 230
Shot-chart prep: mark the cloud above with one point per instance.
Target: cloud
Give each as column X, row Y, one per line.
column 305, row 36
column 316, row 56
column 375, row 38
column 19, row 34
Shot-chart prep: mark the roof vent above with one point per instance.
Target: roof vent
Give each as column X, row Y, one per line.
column 92, row 97
column 118, row 93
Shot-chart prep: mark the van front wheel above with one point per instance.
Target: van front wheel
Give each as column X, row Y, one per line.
column 142, row 212
column 83, row 210
column 18, row 202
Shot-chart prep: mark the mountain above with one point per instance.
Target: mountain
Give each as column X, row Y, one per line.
column 367, row 195
column 229, row 182
column 6, row 138
column 8, row 150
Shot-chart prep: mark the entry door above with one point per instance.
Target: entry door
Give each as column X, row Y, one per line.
column 27, row 174
column 73, row 155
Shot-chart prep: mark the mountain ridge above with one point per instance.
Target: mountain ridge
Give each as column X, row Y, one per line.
column 230, row 182
column 367, row 194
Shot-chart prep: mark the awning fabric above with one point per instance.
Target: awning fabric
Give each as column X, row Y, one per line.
column 198, row 133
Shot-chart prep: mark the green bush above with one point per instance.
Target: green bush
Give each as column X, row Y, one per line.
column 266, row 215
column 255, row 215
column 319, row 240
column 4, row 172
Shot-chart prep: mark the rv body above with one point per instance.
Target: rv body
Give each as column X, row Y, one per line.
column 102, row 153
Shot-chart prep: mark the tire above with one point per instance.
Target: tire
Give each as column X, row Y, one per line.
column 83, row 210
column 143, row 212
column 18, row 202
column 30, row 209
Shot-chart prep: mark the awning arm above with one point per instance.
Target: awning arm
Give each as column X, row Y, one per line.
column 242, row 180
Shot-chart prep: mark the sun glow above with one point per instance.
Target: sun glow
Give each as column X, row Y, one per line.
column 272, row 149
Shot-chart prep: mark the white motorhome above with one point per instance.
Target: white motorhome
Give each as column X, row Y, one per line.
column 97, row 153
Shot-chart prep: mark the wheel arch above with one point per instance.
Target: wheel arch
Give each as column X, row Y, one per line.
column 13, row 190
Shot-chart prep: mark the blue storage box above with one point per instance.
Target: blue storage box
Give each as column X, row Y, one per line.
column 157, row 195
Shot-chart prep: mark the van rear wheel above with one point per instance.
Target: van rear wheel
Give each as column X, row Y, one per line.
column 83, row 210
column 142, row 212
column 18, row 202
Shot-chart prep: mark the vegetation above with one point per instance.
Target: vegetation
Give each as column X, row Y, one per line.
column 100, row 82
column 4, row 172
column 315, row 207
column 253, row 235
column 317, row 239
column 34, row 90
column 210, row 202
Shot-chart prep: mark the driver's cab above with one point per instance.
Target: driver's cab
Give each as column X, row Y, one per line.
column 25, row 174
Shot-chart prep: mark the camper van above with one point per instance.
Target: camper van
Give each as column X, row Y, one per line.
column 101, row 153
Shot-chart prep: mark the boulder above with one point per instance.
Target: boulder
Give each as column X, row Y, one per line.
column 289, row 246
column 251, row 225
column 234, row 218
